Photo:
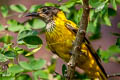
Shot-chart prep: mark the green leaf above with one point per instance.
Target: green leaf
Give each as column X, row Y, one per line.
column 12, row 22
column 6, row 39
column 33, row 64
column 116, row 34
column 34, row 8
column 64, row 8
column 25, row 65
column 79, row 1
column 32, row 40
column 106, row 54
column 59, row 77
column 14, row 26
column 26, row 33
column 34, row 50
column 95, row 22
column 7, row 46
column 112, row 12
column 78, row 15
column 23, row 77
column 21, row 42
column 37, row 64
column 81, row 76
column 114, row 49
column 100, row 6
column 107, row 20
column 40, row 74
column 118, row 25
column 19, row 50
column 18, row 8
column 29, row 37
column 31, row 46
column 7, row 78
column 49, row 4
column 69, row 4
column 10, row 54
column 27, row 26
column 94, row 26
column 64, row 69
column 38, row 24
column 1, row 28
column 15, row 69
column 92, row 12
column 113, row 2
column 90, row 27
column 118, row 1
column 95, row 29
column 3, row 58
column 4, row 11
column 94, row 3
column 59, row 0
column 95, row 36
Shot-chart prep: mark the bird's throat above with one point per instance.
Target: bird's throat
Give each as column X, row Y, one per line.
column 50, row 26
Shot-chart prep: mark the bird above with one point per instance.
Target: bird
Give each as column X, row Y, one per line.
column 60, row 35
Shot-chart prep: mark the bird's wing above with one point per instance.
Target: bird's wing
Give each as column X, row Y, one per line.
column 88, row 44
column 69, row 26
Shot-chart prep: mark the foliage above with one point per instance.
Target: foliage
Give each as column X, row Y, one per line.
column 106, row 54
column 19, row 70
column 28, row 35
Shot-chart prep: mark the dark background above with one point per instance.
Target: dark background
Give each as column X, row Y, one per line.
column 104, row 42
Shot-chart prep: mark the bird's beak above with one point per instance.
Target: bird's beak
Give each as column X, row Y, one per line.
column 33, row 14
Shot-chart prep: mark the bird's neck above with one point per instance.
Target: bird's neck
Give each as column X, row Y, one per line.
column 57, row 21
column 50, row 26
column 61, row 15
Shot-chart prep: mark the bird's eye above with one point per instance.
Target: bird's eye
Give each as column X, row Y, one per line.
column 43, row 10
column 46, row 12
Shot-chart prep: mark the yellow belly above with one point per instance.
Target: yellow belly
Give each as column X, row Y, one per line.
column 61, row 43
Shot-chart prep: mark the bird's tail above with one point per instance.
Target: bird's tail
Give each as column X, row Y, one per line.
column 94, row 73
column 102, row 76
column 90, row 63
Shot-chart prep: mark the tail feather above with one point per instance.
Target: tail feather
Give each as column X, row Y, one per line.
column 102, row 72
column 103, row 76
column 91, row 63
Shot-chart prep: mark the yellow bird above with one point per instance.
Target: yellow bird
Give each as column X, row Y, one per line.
column 60, row 34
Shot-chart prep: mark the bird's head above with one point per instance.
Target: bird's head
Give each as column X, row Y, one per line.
column 47, row 13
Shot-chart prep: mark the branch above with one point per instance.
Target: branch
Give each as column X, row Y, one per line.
column 78, row 41
column 114, row 75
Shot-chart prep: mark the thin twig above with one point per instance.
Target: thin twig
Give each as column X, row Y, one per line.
column 114, row 75
column 78, row 41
